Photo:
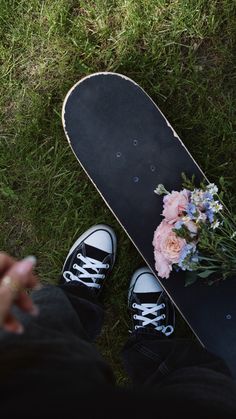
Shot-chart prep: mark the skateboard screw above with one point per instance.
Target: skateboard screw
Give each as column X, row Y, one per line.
column 118, row 154
column 135, row 142
column 228, row 317
column 153, row 168
column 136, row 179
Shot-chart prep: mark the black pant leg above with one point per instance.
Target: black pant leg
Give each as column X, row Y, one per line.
column 54, row 370
column 152, row 356
column 87, row 307
column 54, row 351
column 182, row 373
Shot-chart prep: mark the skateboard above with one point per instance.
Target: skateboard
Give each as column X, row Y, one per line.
column 127, row 147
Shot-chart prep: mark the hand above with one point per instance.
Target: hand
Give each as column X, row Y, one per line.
column 16, row 277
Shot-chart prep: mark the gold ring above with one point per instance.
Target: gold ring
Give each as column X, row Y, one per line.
column 15, row 286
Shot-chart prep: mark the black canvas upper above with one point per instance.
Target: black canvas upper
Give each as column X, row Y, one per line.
column 91, row 252
column 152, row 298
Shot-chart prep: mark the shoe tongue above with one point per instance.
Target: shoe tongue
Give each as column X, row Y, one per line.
column 94, row 252
column 148, row 297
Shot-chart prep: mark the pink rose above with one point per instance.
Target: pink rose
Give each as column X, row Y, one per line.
column 167, row 248
column 162, row 266
column 174, row 205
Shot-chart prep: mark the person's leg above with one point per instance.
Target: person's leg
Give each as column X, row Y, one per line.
column 56, row 346
column 180, row 370
column 152, row 352
column 87, row 307
column 150, row 357
column 88, row 264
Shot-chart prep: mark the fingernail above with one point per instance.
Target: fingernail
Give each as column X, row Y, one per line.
column 34, row 311
column 31, row 259
column 25, row 265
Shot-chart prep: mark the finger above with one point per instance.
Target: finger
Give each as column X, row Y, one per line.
column 13, row 325
column 25, row 303
column 17, row 278
column 5, row 303
column 6, row 262
column 21, row 273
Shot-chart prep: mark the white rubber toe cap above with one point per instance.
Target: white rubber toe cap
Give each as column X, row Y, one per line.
column 143, row 281
column 100, row 236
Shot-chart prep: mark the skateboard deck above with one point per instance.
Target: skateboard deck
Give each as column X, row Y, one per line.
column 126, row 146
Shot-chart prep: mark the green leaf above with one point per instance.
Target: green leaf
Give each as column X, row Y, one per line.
column 206, row 273
column 187, row 182
column 190, row 278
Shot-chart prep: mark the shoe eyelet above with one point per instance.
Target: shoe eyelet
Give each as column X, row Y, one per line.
column 74, row 265
column 134, row 316
column 163, row 316
column 78, row 255
column 135, row 327
column 107, row 266
column 163, row 305
column 133, row 305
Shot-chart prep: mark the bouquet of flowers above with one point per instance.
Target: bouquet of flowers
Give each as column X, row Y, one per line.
column 197, row 234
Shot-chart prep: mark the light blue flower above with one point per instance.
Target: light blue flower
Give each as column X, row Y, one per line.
column 188, row 256
column 210, row 215
column 178, row 225
column 195, row 258
column 192, row 211
column 209, row 211
column 208, row 196
column 186, row 250
column 206, row 205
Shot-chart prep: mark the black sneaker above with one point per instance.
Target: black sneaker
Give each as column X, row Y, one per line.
column 151, row 307
column 91, row 258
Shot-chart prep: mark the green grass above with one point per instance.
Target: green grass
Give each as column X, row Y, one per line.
column 181, row 51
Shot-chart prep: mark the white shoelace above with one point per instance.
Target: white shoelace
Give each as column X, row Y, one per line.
column 88, row 263
column 152, row 309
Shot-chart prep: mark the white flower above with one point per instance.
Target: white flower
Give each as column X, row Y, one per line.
column 192, row 228
column 197, row 197
column 215, row 224
column 216, row 206
column 212, row 188
column 160, row 190
column 202, row 217
column 186, row 219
